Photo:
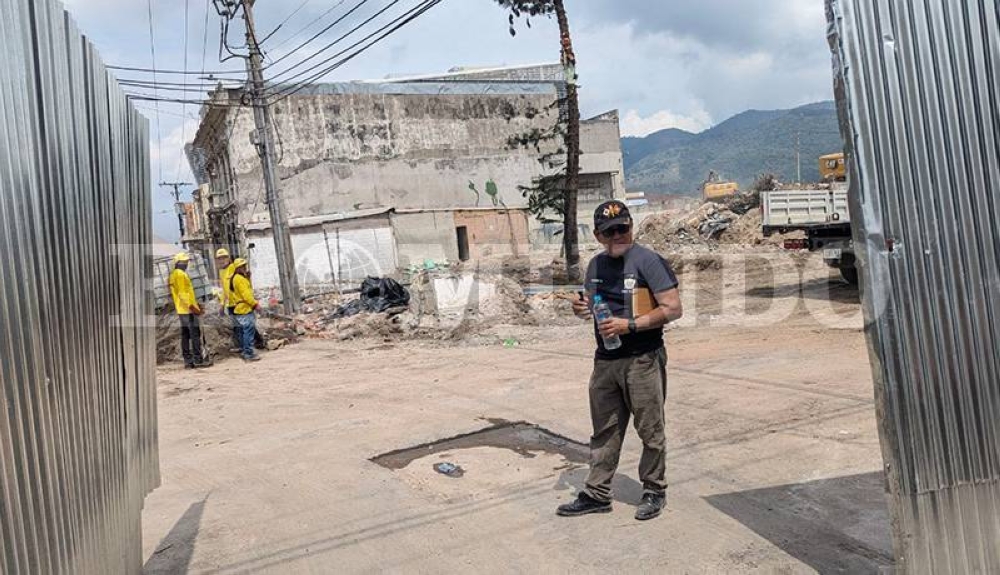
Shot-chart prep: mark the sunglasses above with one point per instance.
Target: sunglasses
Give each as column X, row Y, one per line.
column 619, row 230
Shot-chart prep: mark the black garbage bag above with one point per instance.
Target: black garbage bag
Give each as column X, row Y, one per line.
column 381, row 294
column 377, row 295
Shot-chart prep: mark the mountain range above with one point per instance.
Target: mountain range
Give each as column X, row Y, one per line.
column 739, row 149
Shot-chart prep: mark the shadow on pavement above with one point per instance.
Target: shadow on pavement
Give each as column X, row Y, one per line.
column 173, row 554
column 824, row 289
column 838, row 525
column 624, row 489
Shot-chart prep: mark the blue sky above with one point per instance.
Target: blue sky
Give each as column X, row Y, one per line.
column 684, row 64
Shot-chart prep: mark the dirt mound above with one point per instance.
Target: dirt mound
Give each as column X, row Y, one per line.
column 735, row 222
column 553, row 308
column 217, row 336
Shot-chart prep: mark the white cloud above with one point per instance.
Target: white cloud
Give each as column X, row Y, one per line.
column 664, row 64
column 167, row 155
column 634, row 124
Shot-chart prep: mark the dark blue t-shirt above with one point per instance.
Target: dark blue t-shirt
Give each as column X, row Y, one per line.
column 615, row 280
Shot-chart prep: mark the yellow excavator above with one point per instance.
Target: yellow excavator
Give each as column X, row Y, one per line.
column 715, row 189
column 832, row 168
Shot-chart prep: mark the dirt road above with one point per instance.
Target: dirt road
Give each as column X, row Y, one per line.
column 774, row 459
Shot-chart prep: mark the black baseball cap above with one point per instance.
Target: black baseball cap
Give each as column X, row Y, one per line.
column 611, row 214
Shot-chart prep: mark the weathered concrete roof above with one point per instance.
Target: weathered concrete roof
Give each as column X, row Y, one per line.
column 546, row 72
column 428, row 88
column 610, row 116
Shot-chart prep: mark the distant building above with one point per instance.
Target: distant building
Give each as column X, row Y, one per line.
column 401, row 171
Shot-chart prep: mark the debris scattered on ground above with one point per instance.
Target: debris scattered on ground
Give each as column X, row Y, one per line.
column 735, row 221
column 217, row 335
column 449, row 469
column 377, row 295
column 553, row 308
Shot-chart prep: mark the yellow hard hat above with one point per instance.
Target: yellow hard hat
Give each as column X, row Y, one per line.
column 182, row 257
column 222, row 253
column 240, row 262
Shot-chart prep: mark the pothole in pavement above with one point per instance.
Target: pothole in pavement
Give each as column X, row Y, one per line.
column 525, row 439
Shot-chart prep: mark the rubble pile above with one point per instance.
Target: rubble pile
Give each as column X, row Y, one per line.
column 507, row 305
column 497, row 300
column 553, row 308
column 734, row 222
column 217, row 335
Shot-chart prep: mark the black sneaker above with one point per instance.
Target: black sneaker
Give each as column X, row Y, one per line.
column 583, row 505
column 651, row 506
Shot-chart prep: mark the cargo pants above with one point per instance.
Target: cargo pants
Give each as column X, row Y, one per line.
column 620, row 388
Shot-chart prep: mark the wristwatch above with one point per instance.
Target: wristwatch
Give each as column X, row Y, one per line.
column 631, row 326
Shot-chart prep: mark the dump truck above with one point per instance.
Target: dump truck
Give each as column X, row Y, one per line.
column 821, row 211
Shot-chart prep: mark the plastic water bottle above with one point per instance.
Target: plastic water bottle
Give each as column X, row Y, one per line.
column 601, row 313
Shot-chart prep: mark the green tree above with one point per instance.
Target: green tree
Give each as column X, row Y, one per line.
column 571, row 183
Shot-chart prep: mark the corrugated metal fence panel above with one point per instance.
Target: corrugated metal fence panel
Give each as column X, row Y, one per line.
column 77, row 394
column 918, row 86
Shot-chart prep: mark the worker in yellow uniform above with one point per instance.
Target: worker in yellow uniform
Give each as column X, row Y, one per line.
column 188, row 310
column 244, row 306
column 224, row 263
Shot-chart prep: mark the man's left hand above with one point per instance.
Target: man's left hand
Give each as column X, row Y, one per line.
column 613, row 326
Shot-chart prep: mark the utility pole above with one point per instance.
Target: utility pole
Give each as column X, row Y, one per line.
column 798, row 157
column 177, row 201
column 279, row 222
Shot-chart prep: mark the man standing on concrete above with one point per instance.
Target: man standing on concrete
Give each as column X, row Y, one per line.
column 244, row 306
column 630, row 381
column 188, row 310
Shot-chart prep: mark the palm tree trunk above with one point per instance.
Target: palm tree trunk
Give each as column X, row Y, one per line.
column 571, row 235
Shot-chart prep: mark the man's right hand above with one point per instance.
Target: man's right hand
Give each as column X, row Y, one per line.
column 581, row 307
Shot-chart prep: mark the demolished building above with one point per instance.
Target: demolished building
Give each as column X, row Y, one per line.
column 378, row 176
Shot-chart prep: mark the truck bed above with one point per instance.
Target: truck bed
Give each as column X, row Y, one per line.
column 798, row 209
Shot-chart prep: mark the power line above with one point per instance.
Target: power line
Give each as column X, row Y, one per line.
column 176, row 115
column 204, row 42
column 152, row 53
column 189, row 85
column 285, row 21
column 324, row 31
column 154, row 70
column 307, row 26
column 332, row 44
column 151, row 98
column 187, row 9
column 161, row 88
column 388, row 29
column 335, row 42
